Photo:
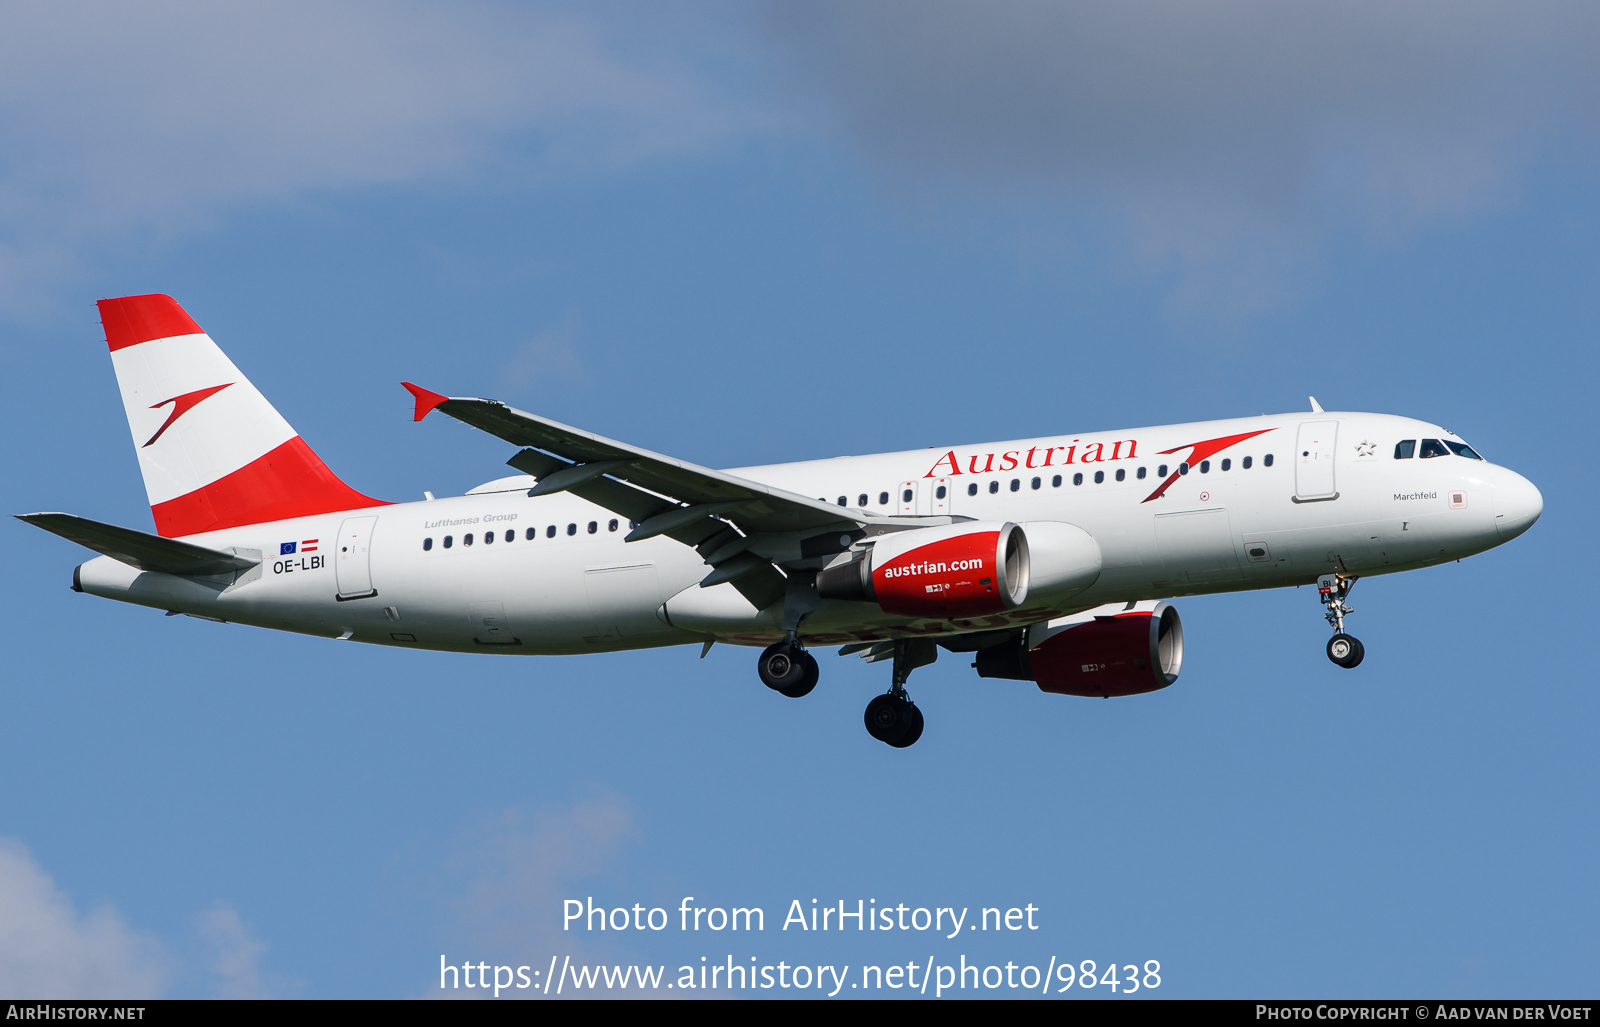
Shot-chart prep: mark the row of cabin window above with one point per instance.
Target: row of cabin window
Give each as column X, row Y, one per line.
column 1432, row 448
column 531, row 534
column 1077, row 479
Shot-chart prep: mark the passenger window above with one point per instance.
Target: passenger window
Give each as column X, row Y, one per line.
column 1266, row 461
column 1161, row 472
column 1140, row 475
column 861, row 500
column 572, row 529
column 994, row 486
column 972, row 489
column 1462, row 449
column 905, row 497
column 449, row 540
column 1183, row 468
column 1405, row 450
column 1099, row 476
column 1077, row 479
column 941, row 492
column 488, row 538
column 532, row 533
column 1227, row 464
column 593, row 527
column 510, row 535
column 612, row 525
column 1205, row 467
column 844, row 501
column 1055, row 482
column 427, row 544
column 1015, row 484
column 1121, row 474
column 1432, row 448
column 1246, row 463
column 466, row 539
column 550, row 532
column 883, row 498
column 1037, row 482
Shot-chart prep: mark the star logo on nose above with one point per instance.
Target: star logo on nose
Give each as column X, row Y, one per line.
column 1366, row 448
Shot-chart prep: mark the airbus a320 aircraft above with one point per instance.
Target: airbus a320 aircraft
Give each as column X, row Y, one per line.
column 1048, row 559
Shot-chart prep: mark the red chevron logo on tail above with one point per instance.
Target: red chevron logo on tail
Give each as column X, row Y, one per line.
column 182, row 405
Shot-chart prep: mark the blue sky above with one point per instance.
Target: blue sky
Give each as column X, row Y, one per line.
column 756, row 233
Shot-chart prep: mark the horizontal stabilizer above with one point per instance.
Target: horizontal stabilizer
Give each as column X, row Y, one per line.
column 139, row 549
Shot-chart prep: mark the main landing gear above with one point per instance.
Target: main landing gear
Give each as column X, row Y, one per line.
column 1334, row 591
column 788, row 669
column 892, row 718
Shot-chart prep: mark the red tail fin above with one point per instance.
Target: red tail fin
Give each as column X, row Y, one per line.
column 214, row 452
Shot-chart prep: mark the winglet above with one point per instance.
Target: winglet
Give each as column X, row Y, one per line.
column 1316, row 408
column 426, row 400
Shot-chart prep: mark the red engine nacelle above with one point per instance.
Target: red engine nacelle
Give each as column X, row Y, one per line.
column 1111, row 650
column 958, row 570
column 1124, row 653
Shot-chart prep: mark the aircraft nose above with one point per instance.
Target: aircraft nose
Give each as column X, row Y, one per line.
column 1517, row 504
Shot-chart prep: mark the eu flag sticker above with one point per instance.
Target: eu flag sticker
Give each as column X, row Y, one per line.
column 285, row 548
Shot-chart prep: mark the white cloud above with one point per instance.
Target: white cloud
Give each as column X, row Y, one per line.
column 236, row 954
column 149, row 120
column 49, row 950
column 502, row 887
column 1228, row 137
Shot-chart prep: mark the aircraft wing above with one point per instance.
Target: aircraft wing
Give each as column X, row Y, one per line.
column 139, row 549
column 667, row 496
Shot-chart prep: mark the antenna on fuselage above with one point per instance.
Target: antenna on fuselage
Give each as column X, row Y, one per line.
column 1316, row 408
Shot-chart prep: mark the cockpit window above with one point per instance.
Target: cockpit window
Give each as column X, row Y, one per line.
column 1462, row 449
column 1405, row 450
column 1432, row 448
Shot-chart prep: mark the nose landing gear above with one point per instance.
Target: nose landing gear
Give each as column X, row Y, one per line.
column 1334, row 590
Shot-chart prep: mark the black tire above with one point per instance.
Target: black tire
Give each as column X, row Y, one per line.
column 783, row 668
column 913, row 732
column 808, row 677
column 889, row 718
column 1346, row 651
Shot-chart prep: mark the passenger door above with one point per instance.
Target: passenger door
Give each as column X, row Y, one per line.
column 352, row 562
column 1313, row 461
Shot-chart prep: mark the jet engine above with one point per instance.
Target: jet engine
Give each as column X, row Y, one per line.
column 957, row 570
column 1111, row 650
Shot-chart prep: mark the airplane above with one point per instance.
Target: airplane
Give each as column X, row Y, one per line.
column 1049, row 560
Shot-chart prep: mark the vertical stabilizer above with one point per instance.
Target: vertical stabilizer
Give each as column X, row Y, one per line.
column 213, row 451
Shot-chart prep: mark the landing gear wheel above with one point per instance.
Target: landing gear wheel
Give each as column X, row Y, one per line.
column 894, row 720
column 1346, row 650
column 914, row 731
column 788, row 669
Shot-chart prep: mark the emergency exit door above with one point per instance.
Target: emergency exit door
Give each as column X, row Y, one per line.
column 907, row 497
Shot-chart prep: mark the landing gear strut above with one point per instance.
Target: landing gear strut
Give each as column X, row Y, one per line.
column 788, row 669
column 892, row 717
column 1334, row 590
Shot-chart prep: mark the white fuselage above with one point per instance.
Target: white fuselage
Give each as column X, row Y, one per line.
column 1333, row 497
